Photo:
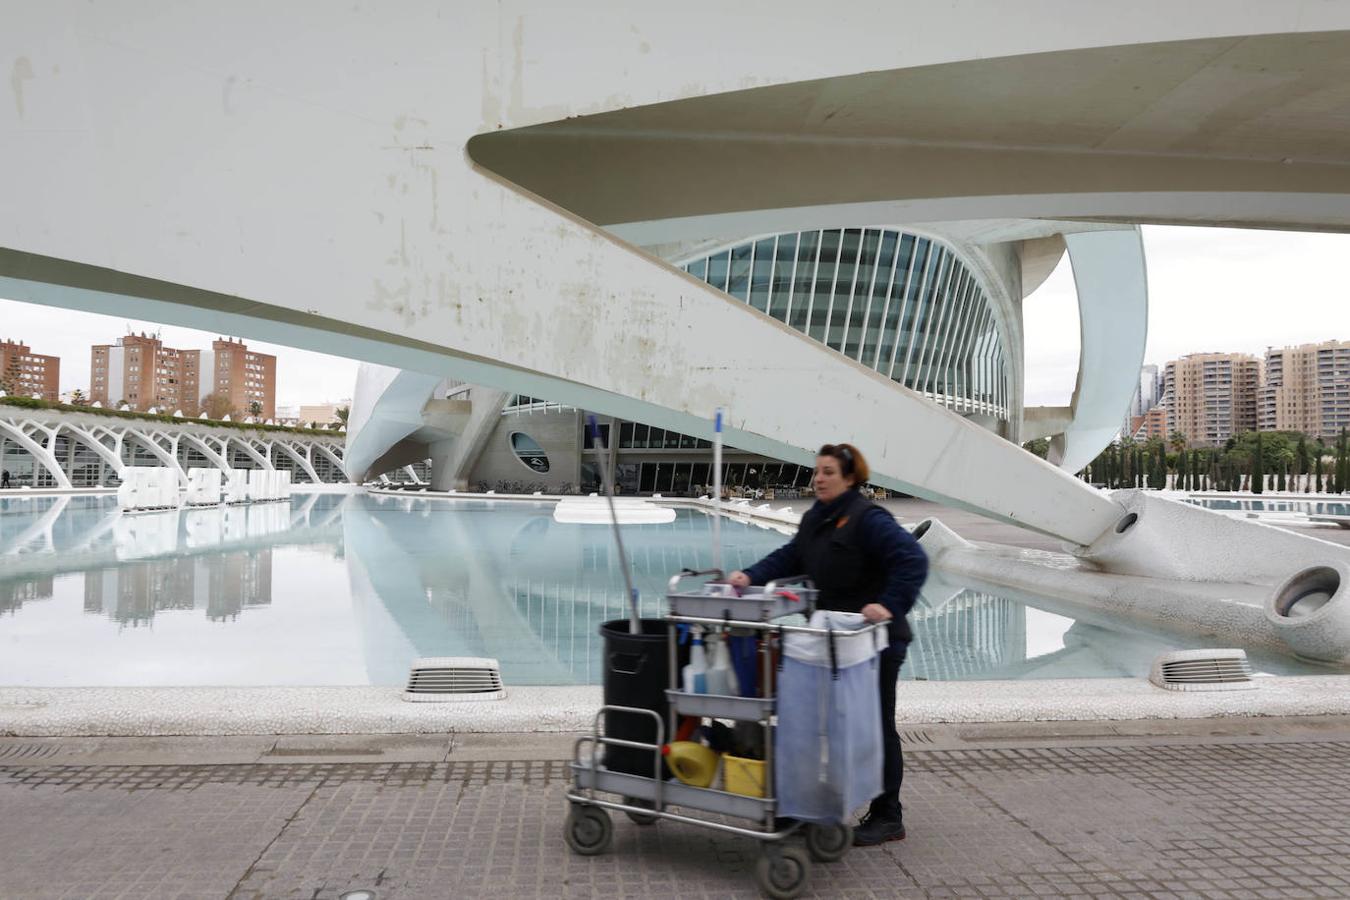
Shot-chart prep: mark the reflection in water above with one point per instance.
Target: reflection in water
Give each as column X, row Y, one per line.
column 348, row 589
column 219, row 584
column 14, row 594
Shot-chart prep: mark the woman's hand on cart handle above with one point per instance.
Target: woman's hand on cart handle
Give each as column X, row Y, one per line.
column 738, row 579
column 875, row 612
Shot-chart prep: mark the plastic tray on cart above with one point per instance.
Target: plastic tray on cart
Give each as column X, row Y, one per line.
column 755, row 604
column 673, row 793
column 721, row 706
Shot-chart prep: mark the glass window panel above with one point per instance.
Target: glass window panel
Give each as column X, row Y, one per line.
column 656, row 439
column 807, row 251
column 738, row 285
column 782, row 276
column 688, row 442
column 626, row 477
column 639, row 436
column 761, row 274
column 680, row 482
column 626, row 435
column 702, row 476
column 718, row 267
column 648, row 477
column 698, row 268
column 735, row 474
column 672, row 440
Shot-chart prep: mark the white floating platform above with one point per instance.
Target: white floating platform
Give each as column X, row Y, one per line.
column 594, row 510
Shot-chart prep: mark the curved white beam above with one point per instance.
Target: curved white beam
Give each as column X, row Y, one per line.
column 263, row 461
column 215, row 458
column 1112, row 281
column 41, row 455
column 303, row 461
column 164, row 456
column 111, row 455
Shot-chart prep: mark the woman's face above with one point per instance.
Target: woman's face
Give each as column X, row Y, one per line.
column 830, row 480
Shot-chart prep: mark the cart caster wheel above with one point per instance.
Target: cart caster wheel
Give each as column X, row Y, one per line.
column 827, row 843
column 782, row 872
column 637, row 817
column 588, row 830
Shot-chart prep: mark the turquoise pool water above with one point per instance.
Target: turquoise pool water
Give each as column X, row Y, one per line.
column 1307, row 507
column 348, row 589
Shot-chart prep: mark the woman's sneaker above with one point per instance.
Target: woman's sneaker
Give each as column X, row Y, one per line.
column 877, row 828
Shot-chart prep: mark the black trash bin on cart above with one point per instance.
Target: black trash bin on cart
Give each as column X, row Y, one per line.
column 637, row 674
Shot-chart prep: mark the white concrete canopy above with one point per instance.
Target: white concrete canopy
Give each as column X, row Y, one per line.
column 371, row 192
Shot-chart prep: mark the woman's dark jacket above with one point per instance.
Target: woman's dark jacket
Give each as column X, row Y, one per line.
column 856, row 554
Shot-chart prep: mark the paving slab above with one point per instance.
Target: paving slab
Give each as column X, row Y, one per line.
column 1253, row 808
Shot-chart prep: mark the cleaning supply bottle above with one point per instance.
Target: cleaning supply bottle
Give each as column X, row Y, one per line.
column 695, row 674
column 721, row 676
column 692, row 763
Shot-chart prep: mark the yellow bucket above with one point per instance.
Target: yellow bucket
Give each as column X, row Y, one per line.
column 743, row 776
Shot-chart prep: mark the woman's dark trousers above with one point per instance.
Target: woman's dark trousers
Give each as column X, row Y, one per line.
column 887, row 804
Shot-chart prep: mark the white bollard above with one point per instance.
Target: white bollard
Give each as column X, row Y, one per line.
column 256, row 485
column 236, row 487
column 204, row 487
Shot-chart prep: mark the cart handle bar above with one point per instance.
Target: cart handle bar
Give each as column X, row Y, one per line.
column 766, row 626
column 672, row 587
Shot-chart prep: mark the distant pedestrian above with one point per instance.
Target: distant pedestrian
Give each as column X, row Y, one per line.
column 4, row 479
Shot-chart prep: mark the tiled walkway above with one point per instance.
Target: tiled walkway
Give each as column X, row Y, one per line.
column 1105, row 819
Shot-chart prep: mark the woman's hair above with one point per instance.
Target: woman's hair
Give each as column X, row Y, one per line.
column 851, row 461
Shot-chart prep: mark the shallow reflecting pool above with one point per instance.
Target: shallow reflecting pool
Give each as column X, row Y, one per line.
column 1306, row 507
column 333, row 589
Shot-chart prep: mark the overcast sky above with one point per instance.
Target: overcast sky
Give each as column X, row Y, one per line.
column 1209, row 289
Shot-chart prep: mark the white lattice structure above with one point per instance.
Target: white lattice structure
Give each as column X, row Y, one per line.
column 48, row 448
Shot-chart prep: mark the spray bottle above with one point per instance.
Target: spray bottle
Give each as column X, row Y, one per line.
column 721, row 675
column 695, row 674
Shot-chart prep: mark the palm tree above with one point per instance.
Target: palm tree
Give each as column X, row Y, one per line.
column 77, row 398
column 254, row 408
column 1177, row 441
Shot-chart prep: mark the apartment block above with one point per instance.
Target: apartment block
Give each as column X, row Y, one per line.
column 144, row 373
column 1150, row 425
column 1209, row 397
column 140, row 371
column 242, row 376
column 1307, row 389
column 30, row 373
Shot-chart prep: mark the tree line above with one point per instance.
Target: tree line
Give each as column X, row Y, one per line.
column 1255, row 461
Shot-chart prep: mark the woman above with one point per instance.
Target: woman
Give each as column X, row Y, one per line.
column 860, row 561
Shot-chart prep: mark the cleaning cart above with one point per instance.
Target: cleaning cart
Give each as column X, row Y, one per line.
column 747, row 793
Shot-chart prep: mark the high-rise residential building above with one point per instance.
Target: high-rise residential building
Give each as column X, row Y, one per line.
column 1150, row 425
column 242, row 377
column 1307, row 389
column 29, row 373
column 144, row 373
column 1210, row 397
column 1148, row 392
column 141, row 371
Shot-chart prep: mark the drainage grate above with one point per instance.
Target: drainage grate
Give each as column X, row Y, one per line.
column 451, row 678
column 1203, row 670
column 916, row 736
column 28, row 751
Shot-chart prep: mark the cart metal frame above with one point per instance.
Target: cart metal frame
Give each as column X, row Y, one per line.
column 757, row 613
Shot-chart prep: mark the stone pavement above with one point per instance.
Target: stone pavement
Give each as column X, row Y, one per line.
column 1215, row 808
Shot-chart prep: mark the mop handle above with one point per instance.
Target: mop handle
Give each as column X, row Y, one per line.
column 717, row 491
column 634, row 622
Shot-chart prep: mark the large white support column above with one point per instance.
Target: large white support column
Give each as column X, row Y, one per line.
column 1112, row 282
column 453, row 460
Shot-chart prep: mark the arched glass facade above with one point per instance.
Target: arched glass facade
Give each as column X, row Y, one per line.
column 898, row 303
